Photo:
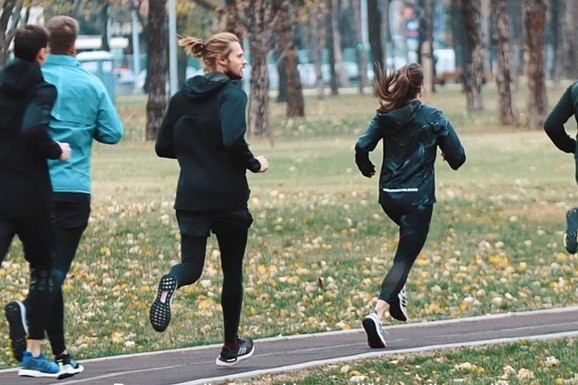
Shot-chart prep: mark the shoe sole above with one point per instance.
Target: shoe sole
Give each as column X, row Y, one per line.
column 570, row 237
column 37, row 374
column 16, row 317
column 160, row 313
column 373, row 339
column 228, row 364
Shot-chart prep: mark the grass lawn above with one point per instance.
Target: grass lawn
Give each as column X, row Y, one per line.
column 320, row 244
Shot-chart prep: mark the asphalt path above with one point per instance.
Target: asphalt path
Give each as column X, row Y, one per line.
column 196, row 366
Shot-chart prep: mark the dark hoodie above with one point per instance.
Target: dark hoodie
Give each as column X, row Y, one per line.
column 566, row 108
column 411, row 135
column 204, row 129
column 25, row 104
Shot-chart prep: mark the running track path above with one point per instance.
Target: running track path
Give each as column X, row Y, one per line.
column 196, row 366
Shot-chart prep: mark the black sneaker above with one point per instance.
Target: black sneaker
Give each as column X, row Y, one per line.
column 68, row 366
column 16, row 315
column 245, row 349
column 160, row 313
column 570, row 237
column 398, row 307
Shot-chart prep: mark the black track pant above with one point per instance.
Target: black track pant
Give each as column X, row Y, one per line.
column 413, row 222
column 70, row 213
column 35, row 235
column 231, row 229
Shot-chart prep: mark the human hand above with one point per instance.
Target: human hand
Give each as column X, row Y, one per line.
column 264, row 163
column 66, row 151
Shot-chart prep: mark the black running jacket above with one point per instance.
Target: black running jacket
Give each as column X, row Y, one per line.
column 411, row 136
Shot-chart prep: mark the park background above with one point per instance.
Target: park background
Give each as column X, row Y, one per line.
column 320, row 244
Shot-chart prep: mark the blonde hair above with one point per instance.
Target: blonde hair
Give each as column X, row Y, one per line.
column 218, row 45
column 399, row 87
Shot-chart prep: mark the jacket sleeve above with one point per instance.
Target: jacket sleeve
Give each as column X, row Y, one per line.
column 365, row 145
column 109, row 128
column 554, row 124
column 234, row 127
column 36, row 120
column 451, row 147
column 165, row 144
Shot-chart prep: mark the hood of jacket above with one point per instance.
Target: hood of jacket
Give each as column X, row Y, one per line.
column 397, row 119
column 203, row 86
column 20, row 76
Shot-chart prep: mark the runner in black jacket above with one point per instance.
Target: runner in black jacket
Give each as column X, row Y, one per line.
column 26, row 193
column 566, row 107
column 204, row 129
column 411, row 133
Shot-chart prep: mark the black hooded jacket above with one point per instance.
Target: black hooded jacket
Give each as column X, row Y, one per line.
column 411, row 135
column 26, row 101
column 204, row 129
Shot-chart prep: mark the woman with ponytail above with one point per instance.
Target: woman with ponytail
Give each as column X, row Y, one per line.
column 411, row 133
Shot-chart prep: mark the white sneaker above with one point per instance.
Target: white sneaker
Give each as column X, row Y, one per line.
column 375, row 332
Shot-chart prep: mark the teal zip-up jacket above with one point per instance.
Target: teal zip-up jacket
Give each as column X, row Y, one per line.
column 83, row 111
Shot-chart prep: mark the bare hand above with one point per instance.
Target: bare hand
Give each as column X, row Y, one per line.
column 66, row 151
column 264, row 163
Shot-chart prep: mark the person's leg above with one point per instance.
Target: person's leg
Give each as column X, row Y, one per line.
column 6, row 236
column 36, row 237
column 231, row 230
column 194, row 230
column 414, row 223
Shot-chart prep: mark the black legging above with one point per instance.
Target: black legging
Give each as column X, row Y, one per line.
column 413, row 222
column 35, row 235
column 232, row 244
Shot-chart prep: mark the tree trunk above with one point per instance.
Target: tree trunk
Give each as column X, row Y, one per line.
column 157, row 67
column 474, row 66
column 360, row 49
column 338, row 52
column 534, row 29
column 318, row 38
column 8, row 26
column 285, row 36
column 374, row 24
column 333, row 81
column 427, row 57
column 504, row 80
column 259, row 24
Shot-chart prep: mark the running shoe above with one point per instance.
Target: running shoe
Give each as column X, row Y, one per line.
column 68, row 366
column 38, row 367
column 160, row 313
column 228, row 357
column 570, row 237
column 398, row 309
column 15, row 313
column 374, row 329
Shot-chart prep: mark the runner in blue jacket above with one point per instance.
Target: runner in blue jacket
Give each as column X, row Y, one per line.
column 411, row 133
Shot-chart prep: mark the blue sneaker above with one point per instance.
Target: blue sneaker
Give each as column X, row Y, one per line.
column 38, row 367
column 15, row 313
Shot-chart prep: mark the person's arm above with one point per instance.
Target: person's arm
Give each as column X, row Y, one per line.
column 36, row 120
column 165, row 144
column 452, row 150
column 554, row 124
column 109, row 127
column 234, row 127
column 365, row 145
